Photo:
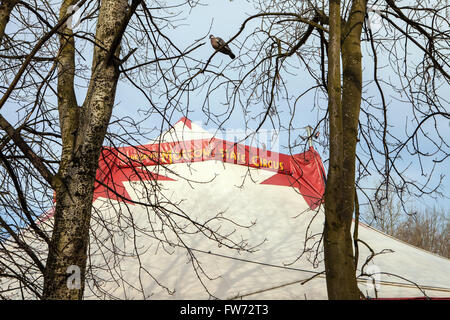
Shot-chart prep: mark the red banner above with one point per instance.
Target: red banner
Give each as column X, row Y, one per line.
column 303, row 171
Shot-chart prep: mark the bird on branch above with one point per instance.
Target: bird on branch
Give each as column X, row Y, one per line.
column 218, row 44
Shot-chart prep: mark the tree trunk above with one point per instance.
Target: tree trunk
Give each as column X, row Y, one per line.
column 344, row 114
column 5, row 11
column 83, row 130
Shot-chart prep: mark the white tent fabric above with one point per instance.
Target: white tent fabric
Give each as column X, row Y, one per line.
column 136, row 254
column 284, row 231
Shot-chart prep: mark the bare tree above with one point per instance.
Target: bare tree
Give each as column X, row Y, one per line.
column 425, row 228
column 56, row 142
column 428, row 230
column 385, row 215
column 51, row 153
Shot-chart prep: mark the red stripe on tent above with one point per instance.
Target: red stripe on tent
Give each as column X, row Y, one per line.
column 110, row 177
column 303, row 171
column 200, row 150
column 186, row 121
column 47, row 215
column 306, row 176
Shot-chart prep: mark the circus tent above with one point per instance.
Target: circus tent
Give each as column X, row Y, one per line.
column 192, row 216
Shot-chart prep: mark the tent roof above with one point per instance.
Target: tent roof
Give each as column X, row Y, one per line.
column 280, row 196
column 268, row 203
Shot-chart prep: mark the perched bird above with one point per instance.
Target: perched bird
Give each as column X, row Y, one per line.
column 218, row 44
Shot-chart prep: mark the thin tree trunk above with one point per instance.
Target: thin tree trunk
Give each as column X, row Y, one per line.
column 344, row 114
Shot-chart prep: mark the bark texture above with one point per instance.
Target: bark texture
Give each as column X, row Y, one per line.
column 83, row 130
column 344, row 105
column 6, row 6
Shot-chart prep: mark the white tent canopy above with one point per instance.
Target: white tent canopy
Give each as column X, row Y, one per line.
column 267, row 217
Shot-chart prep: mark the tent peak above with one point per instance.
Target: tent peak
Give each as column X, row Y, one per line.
column 185, row 121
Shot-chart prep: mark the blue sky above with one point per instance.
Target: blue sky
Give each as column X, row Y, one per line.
column 224, row 18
